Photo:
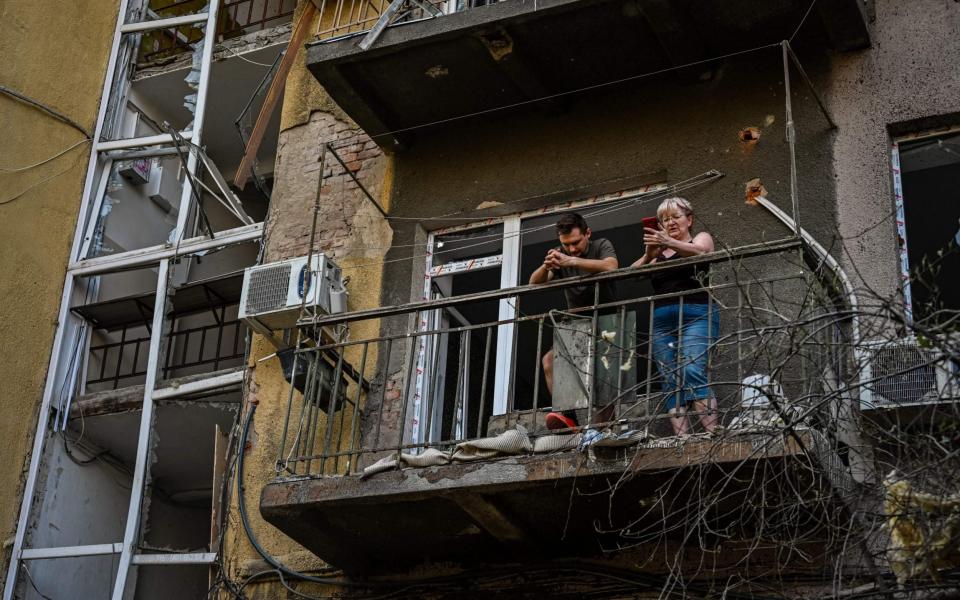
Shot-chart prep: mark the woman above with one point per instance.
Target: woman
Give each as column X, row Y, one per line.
column 691, row 338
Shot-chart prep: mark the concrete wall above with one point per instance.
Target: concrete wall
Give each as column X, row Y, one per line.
column 36, row 229
column 910, row 75
column 81, row 504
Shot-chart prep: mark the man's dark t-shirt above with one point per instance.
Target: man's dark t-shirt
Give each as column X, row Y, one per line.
column 582, row 295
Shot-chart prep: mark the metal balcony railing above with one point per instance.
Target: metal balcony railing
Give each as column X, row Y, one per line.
column 211, row 347
column 339, row 18
column 430, row 383
column 237, row 18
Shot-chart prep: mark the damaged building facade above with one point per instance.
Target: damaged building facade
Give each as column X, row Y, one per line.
column 296, row 353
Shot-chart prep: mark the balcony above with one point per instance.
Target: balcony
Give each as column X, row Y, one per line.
column 427, row 69
column 237, row 18
column 428, row 442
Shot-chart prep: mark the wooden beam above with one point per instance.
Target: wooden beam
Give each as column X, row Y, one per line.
column 297, row 38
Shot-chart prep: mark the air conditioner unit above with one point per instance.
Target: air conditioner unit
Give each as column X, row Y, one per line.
column 902, row 373
column 273, row 294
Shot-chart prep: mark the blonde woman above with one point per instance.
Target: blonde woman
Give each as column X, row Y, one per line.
column 682, row 333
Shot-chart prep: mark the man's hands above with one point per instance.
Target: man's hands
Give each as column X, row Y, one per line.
column 556, row 260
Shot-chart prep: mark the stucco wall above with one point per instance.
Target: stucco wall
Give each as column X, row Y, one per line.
column 681, row 126
column 54, row 52
column 911, row 72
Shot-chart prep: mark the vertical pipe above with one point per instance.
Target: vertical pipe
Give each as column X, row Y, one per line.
column 356, row 407
column 483, row 382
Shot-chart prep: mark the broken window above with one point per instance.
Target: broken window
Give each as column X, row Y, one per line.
column 928, row 203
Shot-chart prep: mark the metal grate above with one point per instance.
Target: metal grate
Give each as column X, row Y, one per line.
column 902, row 374
column 268, row 289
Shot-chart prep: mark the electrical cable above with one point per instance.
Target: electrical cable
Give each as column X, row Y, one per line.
column 46, row 109
column 37, row 184
column 243, row 58
column 803, row 20
column 244, row 518
column 32, row 582
column 46, row 160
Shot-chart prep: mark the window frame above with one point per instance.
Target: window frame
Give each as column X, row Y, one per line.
column 509, row 263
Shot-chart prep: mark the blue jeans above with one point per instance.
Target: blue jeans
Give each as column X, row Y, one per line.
column 681, row 350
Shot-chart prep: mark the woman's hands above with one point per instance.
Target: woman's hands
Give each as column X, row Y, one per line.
column 656, row 240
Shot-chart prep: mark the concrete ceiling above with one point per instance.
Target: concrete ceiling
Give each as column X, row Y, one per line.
column 184, row 439
column 232, row 82
column 507, row 54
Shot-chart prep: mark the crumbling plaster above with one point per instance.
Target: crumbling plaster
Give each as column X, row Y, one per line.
column 355, row 235
column 37, row 228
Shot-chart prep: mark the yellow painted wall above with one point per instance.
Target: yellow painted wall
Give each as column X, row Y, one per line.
column 56, row 53
column 360, row 259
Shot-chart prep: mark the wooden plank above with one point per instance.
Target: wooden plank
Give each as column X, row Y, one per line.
column 297, row 38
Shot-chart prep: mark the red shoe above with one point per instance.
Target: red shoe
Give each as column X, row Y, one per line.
column 557, row 420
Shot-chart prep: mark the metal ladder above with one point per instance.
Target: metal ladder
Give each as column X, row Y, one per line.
column 82, row 271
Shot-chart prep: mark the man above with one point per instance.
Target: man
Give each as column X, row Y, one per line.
column 577, row 255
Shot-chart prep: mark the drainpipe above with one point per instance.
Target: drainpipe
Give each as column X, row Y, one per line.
column 828, row 260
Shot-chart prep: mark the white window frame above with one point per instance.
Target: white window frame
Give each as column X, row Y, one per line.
column 900, row 213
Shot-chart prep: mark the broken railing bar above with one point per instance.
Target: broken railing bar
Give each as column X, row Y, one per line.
column 137, row 142
column 806, row 79
column 190, row 558
column 146, row 153
column 356, row 180
column 70, row 551
column 192, row 387
column 576, row 311
column 145, row 257
column 751, row 250
column 163, row 23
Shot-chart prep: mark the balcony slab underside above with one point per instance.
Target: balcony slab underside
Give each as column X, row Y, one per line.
column 552, row 506
column 518, row 50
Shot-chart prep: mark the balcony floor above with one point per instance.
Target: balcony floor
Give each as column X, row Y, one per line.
column 559, row 505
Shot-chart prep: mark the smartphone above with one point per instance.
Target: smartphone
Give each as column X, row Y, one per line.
column 651, row 222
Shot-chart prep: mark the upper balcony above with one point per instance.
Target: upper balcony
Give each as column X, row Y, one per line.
column 428, row 442
column 479, row 56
